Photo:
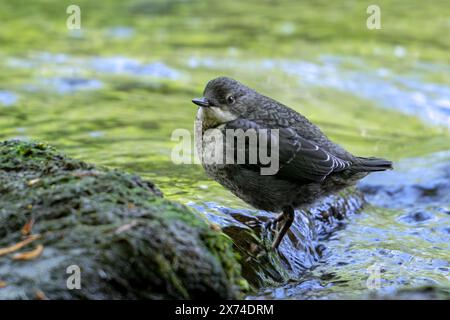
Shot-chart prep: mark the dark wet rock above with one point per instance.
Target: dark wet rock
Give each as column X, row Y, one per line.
column 298, row 252
column 128, row 241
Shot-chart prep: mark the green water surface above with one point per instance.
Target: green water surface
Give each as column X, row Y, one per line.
column 87, row 92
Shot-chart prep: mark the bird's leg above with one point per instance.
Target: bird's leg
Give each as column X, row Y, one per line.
column 272, row 223
column 288, row 217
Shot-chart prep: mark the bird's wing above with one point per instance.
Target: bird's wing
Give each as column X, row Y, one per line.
column 299, row 158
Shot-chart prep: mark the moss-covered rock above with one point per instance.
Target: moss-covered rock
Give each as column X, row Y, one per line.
column 127, row 240
column 301, row 248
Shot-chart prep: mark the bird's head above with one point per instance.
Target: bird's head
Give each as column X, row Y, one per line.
column 225, row 99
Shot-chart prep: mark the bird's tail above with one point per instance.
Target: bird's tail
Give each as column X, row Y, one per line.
column 371, row 164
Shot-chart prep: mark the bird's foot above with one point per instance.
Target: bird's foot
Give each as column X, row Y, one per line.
column 273, row 228
column 253, row 223
column 286, row 219
column 272, row 224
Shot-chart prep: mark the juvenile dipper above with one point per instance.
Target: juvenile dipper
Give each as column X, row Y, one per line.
column 310, row 165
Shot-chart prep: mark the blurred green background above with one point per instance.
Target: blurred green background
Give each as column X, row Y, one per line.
column 112, row 93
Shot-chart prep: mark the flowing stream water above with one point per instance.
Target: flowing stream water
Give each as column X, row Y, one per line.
column 113, row 94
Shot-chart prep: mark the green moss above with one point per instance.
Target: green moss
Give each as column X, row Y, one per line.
column 220, row 245
column 130, row 241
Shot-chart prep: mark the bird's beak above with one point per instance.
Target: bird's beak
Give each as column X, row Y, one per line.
column 202, row 102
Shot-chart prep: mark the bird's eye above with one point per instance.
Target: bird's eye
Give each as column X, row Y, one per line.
column 230, row 100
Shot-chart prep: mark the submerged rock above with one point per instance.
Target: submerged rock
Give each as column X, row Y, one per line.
column 59, row 214
column 300, row 249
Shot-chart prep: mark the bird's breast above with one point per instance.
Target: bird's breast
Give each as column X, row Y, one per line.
column 210, row 146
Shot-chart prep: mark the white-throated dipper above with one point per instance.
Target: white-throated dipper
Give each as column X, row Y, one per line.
column 309, row 164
